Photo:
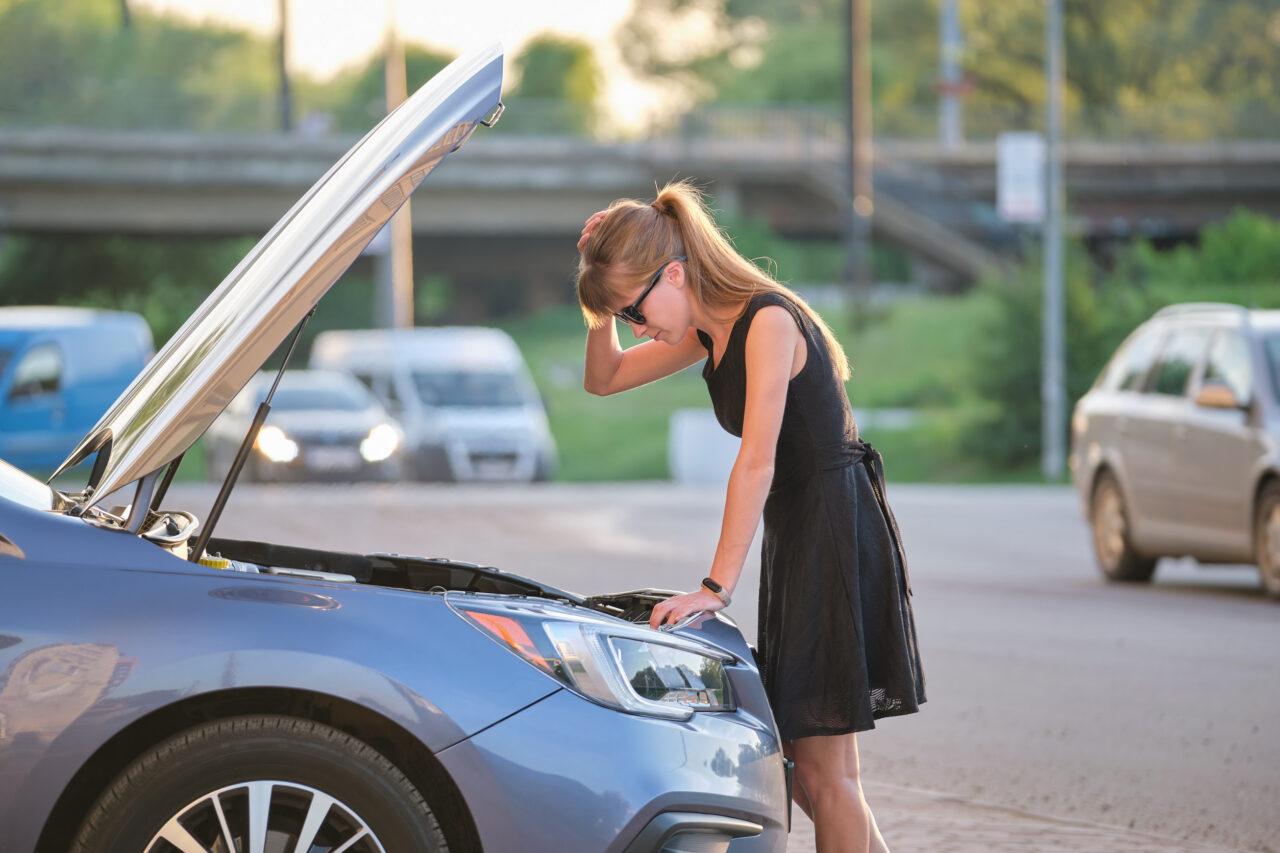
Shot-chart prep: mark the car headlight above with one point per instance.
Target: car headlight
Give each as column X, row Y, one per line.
column 275, row 445
column 628, row 668
column 380, row 443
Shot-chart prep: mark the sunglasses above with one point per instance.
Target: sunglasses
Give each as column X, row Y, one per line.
column 631, row 314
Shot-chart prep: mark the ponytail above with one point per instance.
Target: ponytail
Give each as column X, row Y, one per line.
column 634, row 239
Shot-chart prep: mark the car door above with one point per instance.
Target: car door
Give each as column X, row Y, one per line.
column 1158, row 480
column 1219, row 451
column 35, row 410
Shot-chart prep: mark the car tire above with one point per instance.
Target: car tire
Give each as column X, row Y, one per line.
column 544, row 468
column 200, row 783
column 1109, row 526
column 1266, row 532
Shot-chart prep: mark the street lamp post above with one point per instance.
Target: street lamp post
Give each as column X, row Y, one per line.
column 1052, row 385
column 397, row 272
column 861, row 192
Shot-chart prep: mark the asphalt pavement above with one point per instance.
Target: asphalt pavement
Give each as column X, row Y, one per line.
column 1063, row 713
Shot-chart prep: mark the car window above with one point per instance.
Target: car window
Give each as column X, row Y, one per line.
column 338, row 398
column 1228, row 364
column 1271, row 346
column 468, row 388
column 1132, row 362
column 38, row 372
column 1178, row 360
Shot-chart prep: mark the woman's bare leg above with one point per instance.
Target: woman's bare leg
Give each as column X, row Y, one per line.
column 827, row 769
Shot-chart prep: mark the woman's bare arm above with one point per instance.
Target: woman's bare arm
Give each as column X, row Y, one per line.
column 610, row 369
column 770, row 352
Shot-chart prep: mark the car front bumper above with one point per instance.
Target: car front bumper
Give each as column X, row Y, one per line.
column 566, row 774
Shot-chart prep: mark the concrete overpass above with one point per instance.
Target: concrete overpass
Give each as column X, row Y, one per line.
column 534, row 192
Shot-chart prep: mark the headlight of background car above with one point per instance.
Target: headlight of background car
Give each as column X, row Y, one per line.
column 380, row 443
column 625, row 668
column 275, row 445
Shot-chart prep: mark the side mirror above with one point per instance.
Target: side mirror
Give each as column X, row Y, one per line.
column 26, row 390
column 1215, row 395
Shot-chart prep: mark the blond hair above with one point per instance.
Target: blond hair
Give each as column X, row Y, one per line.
column 634, row 239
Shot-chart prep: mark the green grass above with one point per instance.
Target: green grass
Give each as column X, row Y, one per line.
column 908, row 355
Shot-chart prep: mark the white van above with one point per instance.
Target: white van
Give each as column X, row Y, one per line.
column 462, row 394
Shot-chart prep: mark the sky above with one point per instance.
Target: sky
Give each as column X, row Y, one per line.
column 326, row 35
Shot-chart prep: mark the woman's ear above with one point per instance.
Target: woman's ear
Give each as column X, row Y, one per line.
column 677, row 273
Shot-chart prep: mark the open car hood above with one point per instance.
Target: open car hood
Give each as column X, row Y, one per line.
column 207, row 361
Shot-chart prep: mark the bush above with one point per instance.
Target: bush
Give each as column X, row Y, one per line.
column 1237, row 260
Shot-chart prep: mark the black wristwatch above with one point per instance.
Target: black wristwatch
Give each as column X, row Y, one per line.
column 710, row 584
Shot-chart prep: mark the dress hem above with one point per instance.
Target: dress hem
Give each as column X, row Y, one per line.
column 844, row 730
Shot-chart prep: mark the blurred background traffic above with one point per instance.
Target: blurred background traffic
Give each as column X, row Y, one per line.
column 1047, row 234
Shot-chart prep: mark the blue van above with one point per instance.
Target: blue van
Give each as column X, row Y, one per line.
column 60, row 368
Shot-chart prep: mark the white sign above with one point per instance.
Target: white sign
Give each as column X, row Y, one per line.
column 1020, row 177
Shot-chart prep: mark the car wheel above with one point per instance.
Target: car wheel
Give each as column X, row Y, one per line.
column 1267, row 538
column 1109, row 521
column 260, row 783
column 544, row 468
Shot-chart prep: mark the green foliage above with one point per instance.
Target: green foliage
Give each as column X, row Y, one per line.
column 557, row 90
column 356, row 97
column 1237, row 261
column 1182, row 69
column 164, row 280
column 1004, row 353
column 72, row 63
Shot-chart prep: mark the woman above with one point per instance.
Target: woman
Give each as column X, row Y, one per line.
column 836, row 639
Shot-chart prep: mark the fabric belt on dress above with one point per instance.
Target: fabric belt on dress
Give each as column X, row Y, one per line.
column 842, row 454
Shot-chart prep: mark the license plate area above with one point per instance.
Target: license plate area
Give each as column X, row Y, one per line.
column 332, row 458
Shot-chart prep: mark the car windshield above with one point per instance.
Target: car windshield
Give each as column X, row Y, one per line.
column 468, row 388
column 341, row 398
column 1272, row 347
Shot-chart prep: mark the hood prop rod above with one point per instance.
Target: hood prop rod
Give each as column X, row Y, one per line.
column 242, row 455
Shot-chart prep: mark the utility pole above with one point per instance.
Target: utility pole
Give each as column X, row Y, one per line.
column 397, row 264
column 1053, row 384
column 282, row 60
column 950, row 130
column 861, row 195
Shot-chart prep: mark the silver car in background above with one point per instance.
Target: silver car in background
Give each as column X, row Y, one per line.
column 462, row 394
column 324, row 425
column 1176, row 447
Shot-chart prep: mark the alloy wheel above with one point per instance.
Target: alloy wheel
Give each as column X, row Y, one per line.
column 1109, row 525
column 265, row 817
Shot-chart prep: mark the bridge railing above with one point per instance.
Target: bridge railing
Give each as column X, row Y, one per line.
column 106, row 104
column 1198, row 122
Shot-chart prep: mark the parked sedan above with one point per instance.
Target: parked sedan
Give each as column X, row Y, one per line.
column 1176, row 447
column 168, row 689
column 324, row 425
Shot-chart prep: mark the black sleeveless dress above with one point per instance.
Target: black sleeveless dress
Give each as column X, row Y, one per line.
column 837, row 638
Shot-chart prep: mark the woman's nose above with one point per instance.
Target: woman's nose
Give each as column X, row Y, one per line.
column 637, row 330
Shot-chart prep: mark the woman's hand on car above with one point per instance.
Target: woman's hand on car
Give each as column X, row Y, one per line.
column 592, row 221
column 679, row 606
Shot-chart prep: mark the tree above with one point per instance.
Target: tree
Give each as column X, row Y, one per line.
column 1168, row 68
column 72, row 63
column 356, row 98
column 564, row 76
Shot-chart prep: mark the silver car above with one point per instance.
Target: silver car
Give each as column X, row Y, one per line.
column 324, row 425
column 1176, row 447
column 163, row 689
